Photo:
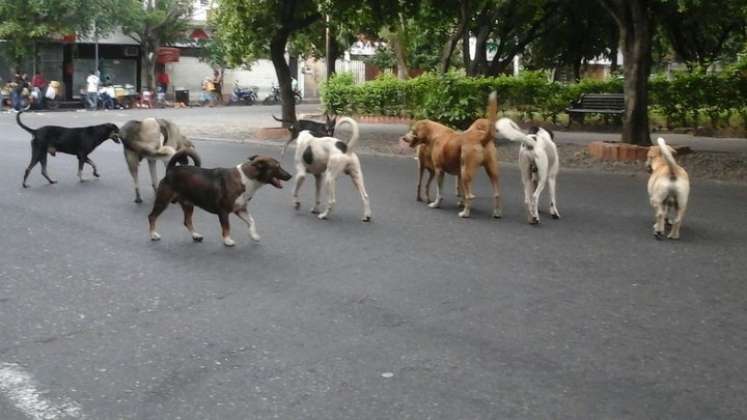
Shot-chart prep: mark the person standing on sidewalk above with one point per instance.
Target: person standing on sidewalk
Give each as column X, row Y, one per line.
column 92, row 90
column 39, row 85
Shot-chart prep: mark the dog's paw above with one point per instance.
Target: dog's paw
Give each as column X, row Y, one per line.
column 138, row 200
column 297, row 205
column 673, row 236
column 366, row 218
column 24, row 185
column 323, row 216
column 229, row 242
column 255, row 237
column 534, row 221
column 314, row 210
column 97, row 175
column 555, row 216
column 464, row 214
column 497, row 213
column 154, row 236
column 435, row 204
column 196, row 237
column 52, row 181
column 659, row 236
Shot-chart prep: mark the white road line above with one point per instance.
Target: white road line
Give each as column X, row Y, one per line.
column 18, row 387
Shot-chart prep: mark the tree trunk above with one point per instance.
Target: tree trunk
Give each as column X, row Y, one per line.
column 277, row 54
column 332, row 50
column 637, row 67
column 149, row 60
column 450, row 46
column 399, row 52
column 479, row 65
column 635, row 35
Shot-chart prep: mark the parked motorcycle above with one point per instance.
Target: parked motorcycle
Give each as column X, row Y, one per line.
column 274, row 97
column 247, row 96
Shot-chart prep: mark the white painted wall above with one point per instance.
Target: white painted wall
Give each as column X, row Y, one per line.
column 189, row 72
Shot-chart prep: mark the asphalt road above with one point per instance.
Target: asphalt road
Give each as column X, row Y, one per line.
column 418, row 314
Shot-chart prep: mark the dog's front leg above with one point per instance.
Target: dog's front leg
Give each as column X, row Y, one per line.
column 439, row 185
column 132, row 164
column 330, row 179
column 247, row 218
column 459, row 187
column 300, row 177
column 81, row 162
column 153, row 173
column 225, row 229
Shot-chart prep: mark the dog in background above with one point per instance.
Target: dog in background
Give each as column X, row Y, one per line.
column 327, row 158
column 79, row 141
column 153, row 139
column 317, row 129
column 539, row 165
column 460, row 154
column 220, row 191
column 668, row 189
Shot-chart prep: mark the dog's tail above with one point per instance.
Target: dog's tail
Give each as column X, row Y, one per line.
column 181, row 157
column 356, row 133
column 666, row 152
column 492, row 114
column 25, row 127
column 280, row 119
column 511, row 131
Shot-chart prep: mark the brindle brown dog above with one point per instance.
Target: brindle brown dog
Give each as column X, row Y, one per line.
column 220, row 191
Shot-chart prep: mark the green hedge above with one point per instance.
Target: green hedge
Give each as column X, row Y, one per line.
column 457, row 100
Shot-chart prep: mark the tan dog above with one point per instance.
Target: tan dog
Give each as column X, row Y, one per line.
column 668, row 189
column 459, row 154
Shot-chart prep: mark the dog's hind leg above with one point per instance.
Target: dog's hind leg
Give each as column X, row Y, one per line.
column 317, row 193
column 357, row 176
column 247, row 218
column 421, row 169
column 225, row 229
column 43, row 161
column 93, row 166
column 188, row 210
column 468, row 169
column 551, row 183
column 459, row 187
column 334, row 168
column 491, row 169
column 680, row 214
column 35, row 158
column 163, row 197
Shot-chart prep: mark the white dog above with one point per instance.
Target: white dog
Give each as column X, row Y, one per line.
column 538, row 162
column 326, row 158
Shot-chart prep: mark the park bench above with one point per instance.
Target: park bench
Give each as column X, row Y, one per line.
column 596, row 103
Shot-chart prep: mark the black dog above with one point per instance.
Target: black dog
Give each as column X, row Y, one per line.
column 74, row 141
column 317, row 129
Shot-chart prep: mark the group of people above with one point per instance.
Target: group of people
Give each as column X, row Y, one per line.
column 23, row 92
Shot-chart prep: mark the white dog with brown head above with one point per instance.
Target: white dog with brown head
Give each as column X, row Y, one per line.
column 668, row 189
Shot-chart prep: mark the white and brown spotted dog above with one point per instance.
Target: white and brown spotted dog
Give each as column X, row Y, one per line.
column 538, row 163
column 327, row 158
column 668, row 189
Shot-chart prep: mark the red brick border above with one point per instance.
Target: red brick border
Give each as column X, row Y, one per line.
column 617, row 151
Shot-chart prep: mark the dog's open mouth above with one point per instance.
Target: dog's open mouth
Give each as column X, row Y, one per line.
column 276, row 183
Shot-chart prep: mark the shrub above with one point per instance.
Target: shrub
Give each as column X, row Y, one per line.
column 457, row 100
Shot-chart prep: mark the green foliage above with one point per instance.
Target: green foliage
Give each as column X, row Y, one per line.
column 23, row 22
column 457, row 100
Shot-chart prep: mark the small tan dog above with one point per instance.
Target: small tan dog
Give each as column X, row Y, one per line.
column 668, row 189
column 459, row 154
